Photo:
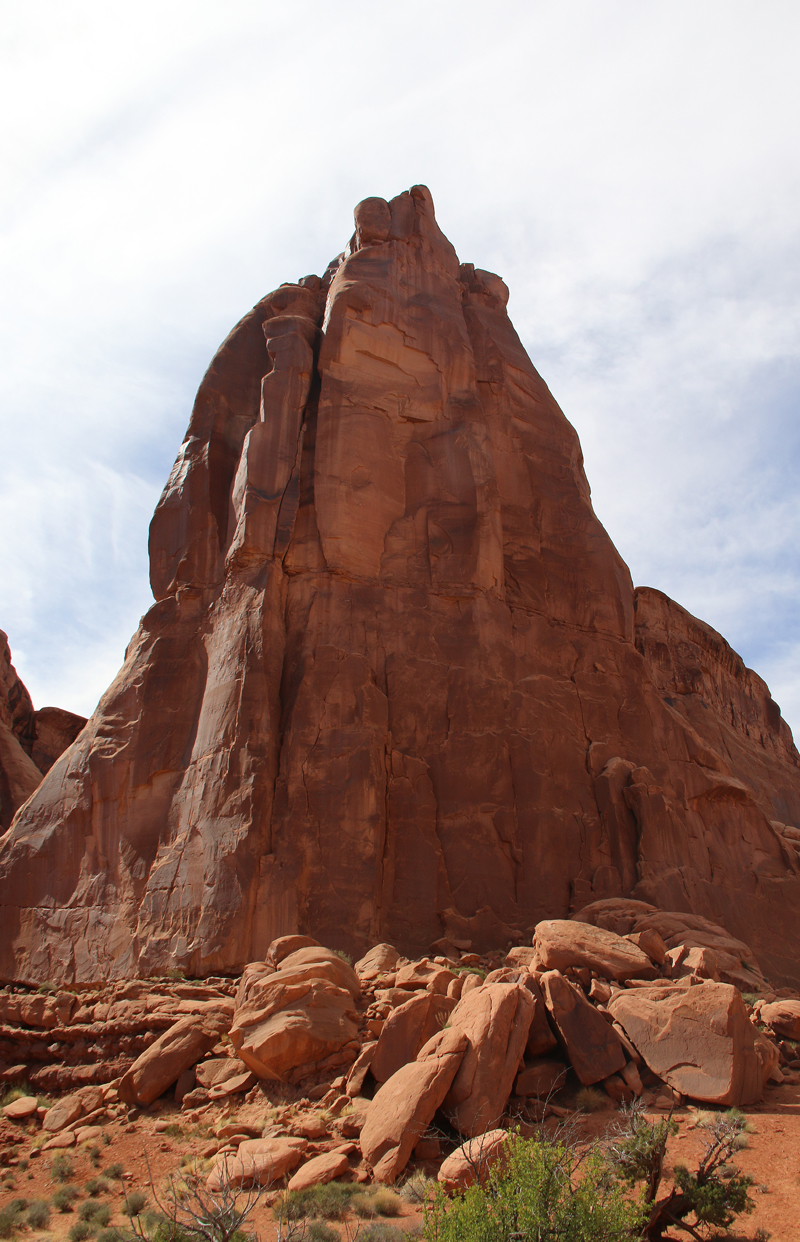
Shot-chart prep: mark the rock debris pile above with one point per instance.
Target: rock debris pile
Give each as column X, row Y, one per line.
column 372, row 1069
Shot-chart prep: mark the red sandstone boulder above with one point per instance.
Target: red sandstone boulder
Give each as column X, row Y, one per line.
column 561, row 943
column 404, row 1107
column 473, row 1160
column 258, row 1162
column 698, row 1039
column 541, row 1077
column 407, row 1029
column 290, row 1021
column 21, row 1109
column 284, row 945
column 159, row 1066
column 381, row 960
column 496, row 1019
column 319, row 1170
column 782, row 1017
column 591, row 1044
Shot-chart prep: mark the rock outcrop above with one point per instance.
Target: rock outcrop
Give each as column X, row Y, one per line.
column 397, row 685
column 30, row 741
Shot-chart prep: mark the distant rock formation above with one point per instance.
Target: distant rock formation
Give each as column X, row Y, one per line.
column 397, row 684
column 30, row 741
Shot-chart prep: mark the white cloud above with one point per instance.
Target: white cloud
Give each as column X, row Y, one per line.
column 631, row 170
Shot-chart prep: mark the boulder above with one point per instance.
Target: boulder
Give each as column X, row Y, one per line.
column 216, row 1070
column 318, row 1170
column 63, row 1114
column 182, row 1045
column 650, row 943
column 561, row 943
column 406, row 1030
column 284, row 945
column 424, row 974
column 258, row 1162
column 22, row 1109
column 316, row 962
column 782, row 1017
column 541, row 1078
column 591, row 1044
column 698, row 1039
column 381, row 960
column 699, row 961
column 496, row 1019
column 404, row 1107
column 357, row 1074
column 291, row 1018
column 473, row 1160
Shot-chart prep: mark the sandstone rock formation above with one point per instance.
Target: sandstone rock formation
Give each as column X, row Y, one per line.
column 30, row 741
column 397, row 685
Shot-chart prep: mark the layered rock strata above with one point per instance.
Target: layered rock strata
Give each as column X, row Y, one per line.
column 396, row 684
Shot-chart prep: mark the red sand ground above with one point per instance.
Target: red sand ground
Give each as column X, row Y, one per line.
column 772, row 1159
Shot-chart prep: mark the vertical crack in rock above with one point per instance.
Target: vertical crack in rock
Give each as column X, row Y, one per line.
column 396, row 682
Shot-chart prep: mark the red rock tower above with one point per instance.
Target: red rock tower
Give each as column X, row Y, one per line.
column 396, row 684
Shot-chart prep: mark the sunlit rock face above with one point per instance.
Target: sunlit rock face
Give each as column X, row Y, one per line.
column 396, row 684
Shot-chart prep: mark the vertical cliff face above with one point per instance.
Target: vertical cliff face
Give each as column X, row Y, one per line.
column 390, row 688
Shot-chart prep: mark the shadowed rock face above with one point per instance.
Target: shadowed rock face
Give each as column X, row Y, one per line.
column 395, row 685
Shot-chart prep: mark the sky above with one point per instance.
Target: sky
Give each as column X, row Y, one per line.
column 630, row 169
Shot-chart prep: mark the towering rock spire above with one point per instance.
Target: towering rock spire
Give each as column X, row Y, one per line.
column 396, row 684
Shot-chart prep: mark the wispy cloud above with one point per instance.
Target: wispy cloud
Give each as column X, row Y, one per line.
column 631, row 170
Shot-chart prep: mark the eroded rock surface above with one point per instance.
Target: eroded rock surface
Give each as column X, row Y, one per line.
column 396, row 685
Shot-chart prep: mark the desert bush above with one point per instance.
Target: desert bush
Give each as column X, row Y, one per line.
column 98, row 1214
column 113, row 1234
column 379, row 1202
column 61, row 1169
column 38, row 1214
column 96, row 1186
column 80, row 1231
column 10, row 1220
column 380, row 1232
column 346, row 957
column 417, row 1188
column 328, row 1202
column 135, row 1203
column 543, row 1189
column 590, row 1100
column 114, row 1171
column 64, row 1198
column 318, row 1231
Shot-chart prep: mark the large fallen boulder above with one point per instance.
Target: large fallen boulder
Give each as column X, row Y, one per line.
column 181, row 1046
column 382, row 959
column 473, row 1160
column 496, row 1019
column 404, row 1107
column 782, row 1017
column 698, row 1039
column 258, row 1162
column 407, row 1029
column 591, row 1044
column 290, row 1019
column 561, row 943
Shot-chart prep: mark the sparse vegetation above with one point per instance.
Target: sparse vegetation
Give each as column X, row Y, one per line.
column 97, row 1214
column 135, row 1203
column 64, row 1198
column 590, row 1100
column 10, row 1219
column 80, row 1231
column 97, row 1186
column 38, row 1214
column 61, row 1168
column 377, row 1202
column 114, row 1171
column 417, row 1188
column 328, row 1202
column 346, row 957
column 380, row 1232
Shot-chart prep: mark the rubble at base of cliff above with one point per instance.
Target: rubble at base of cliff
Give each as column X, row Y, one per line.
column 308, row 1069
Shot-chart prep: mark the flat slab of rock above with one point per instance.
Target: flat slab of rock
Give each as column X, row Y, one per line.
column 472, row 1161
column 541, row 1078
column 404, row 1107
column 21, row 1109
column 496, row 1018
column 561, row 943
column 320, row 1169
column 181, row 1046
column 591, row 1044
column 698, row 1039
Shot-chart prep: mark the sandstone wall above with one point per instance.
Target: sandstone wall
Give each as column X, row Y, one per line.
column 396, row 684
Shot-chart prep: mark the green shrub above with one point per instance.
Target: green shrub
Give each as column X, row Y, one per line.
column 379, row 1232
column 38, row 1214
column 173, row 1130
column 318, row 1231
column 96, row 1186
column 113, row 1235
column 114, row 1171
column 379, row 1202
column 328, row 1202
column 542, row 1189
column 344, row 956
column 79, row 1231
column 135, row 1203
column 98, row 1214
column 64, row 1198
column 9, row 1221
column 417, row 1187
column 61, row 1169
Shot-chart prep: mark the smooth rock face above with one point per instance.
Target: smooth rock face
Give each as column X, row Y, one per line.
column 473, row 1160
column 698, row 1039
column 561, row 943
column 318, row 1170
column 404, row 1107
column 496, row 1020
column 159, row 1066
column 782, row 1017
column 590, row 1043
column 388, row 623
column 258, row 1162
column 407, row 1029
